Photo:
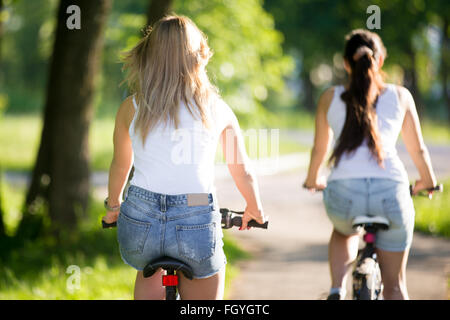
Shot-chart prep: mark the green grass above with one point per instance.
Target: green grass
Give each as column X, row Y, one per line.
column 19, row 141
column 433, row 216
column 436, row 132
column 39, row 270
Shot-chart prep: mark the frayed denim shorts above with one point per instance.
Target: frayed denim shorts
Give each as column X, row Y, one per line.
column 152, row 225
column 345, row 199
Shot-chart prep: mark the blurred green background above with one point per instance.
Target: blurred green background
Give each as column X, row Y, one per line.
column 271, row 61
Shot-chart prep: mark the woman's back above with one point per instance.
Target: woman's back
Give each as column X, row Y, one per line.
column 361, row 163
column 179, row 161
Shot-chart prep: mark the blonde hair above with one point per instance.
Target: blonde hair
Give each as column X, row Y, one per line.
column 167, row 67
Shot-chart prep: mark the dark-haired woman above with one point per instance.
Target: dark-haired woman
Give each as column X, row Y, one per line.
column 367, row 177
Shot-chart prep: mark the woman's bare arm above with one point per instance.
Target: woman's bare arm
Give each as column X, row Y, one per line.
column 238, row 164
column 122, row 158
column 322, row 142
column 412, row 137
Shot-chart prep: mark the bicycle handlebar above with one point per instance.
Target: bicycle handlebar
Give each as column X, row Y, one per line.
column 106, row 225
column 230, row 219
column 429, row 191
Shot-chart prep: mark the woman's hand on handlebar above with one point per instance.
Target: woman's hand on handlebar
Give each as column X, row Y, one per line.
column 111, row 216
column 420, row 185
column 252, row 214
column 314, row 185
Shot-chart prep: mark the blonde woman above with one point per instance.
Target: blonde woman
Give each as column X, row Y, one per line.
column 169, row 129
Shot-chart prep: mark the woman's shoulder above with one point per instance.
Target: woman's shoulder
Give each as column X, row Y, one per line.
column 223, row 114
column 328, row 93
column 403, row 94
column 220, row 107
column 401, row 90
column 326, row 98
column 126, row 110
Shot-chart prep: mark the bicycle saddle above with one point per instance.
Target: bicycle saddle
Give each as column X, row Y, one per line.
column 167, row 263
column 376, row 221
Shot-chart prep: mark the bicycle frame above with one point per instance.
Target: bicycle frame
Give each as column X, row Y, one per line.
column 367, row 284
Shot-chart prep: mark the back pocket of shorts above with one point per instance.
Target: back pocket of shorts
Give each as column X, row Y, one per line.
column 397, row 209
column 337, row 204
column 196, row 242
column 132, row 234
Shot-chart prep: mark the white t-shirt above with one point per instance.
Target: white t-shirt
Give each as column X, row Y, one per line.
column 361, row 164
column 179, row 161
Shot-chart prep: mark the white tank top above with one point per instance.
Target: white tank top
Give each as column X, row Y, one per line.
column 179, row 161
column 361, row 164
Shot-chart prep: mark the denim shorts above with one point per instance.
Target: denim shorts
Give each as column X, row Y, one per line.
column 152, row 225
column 345, row 199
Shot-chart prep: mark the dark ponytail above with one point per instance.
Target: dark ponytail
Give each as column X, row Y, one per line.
column 362, row 50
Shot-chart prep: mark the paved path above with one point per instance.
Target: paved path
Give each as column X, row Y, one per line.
column 291, row 258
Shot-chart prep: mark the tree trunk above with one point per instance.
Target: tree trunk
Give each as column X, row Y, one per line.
column 2, row 228
column 157, row 9
column 2, row 225
column 1, row 28
column 410, row 82
column 61, row 172
column 308, row 92
column 445, row 64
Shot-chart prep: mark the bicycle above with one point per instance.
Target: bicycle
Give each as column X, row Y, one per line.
column 172, row 266
column 367, row 282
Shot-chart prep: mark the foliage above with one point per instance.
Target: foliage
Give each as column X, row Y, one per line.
column 248, row 59
column 248, row 63
column 432, row 216
column 411, row 30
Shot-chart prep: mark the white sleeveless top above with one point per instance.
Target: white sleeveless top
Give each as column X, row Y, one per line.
column 179, row 161
column 361, row 164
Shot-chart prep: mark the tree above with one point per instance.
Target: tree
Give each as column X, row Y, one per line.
column 61, row 172
column 314, row 31
column 157, row 9
column 1, row 26
column 445, row 62
column 2, row 227
column 248, row 64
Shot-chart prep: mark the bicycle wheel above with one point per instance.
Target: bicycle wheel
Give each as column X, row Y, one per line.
column 367, row 283
column 365, row 292
column 377, row 282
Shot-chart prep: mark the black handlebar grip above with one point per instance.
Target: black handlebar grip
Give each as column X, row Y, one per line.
column 106, row 225
column 254, row 224
column 237, row 221
column 438, row 188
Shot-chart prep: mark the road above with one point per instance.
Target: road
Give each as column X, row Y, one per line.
column 290, row 260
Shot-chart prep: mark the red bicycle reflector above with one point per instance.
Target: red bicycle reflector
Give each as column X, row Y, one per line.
column 170, row 280
column 369, row 237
